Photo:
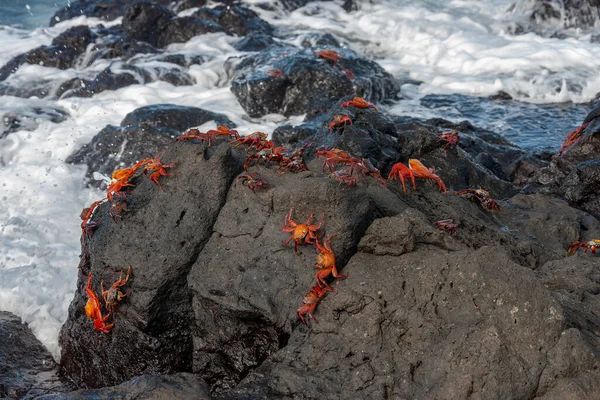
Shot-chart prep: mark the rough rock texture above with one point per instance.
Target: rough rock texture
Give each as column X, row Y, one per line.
column 157, row 25
column 496, row 311
column 565, row 13
column 120, row 75
column 308, row 83
column 156, row 323
column 26, row 367
column 143, row 133
column 29, row 118
column 103, row 9
column 235, row 19
column 63, row 53
column 575, row 174
column 146, row 387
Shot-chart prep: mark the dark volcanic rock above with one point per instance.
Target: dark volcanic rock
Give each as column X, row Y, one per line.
column 167, row 387
column 492, row 312
column 574, row 174
column 308, row 83
column 28, row 119
column 568, row 13
column 63, row 53
column 159, row 26
column 235, row 19
column 153, row 330
column 255, row 42
column 26, row 367
column 143, row 133
column 103, row 9
column 120, row 75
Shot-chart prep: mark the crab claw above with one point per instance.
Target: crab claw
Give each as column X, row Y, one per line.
column 420, row 171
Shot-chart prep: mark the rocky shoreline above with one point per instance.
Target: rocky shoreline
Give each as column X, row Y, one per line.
column 497, row 310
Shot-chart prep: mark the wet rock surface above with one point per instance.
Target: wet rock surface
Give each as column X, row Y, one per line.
column 26, row 367
column 165, row 387
column 497, row 310
column 29, row 118
column 574, row 174
column 292, row 81
column 568, row 13
column 143, row 133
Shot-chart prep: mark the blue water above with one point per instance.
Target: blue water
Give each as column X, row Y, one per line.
column 531, row 126
column 17, row 14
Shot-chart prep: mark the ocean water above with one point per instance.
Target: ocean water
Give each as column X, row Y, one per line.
column 460, row 50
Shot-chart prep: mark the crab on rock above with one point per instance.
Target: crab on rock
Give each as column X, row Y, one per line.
column 449, row 225
column 402, row 172
column 339, row 120
column 326, row 263
column 113, row 295
column 451, row 139
column 358, row 102
column 482, row 196
column 310, row 301
column 591, row 245
column 300, row 232
column 422, row 172
column 93, row 311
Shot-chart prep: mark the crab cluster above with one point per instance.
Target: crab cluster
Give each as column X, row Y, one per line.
column 334, row 57
column 303, row 234
column 153, row 168
column 351, row 167
column 112, row 297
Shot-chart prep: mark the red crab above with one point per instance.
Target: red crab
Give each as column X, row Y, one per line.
column 451, row 139
column 300, row 232
column 591, row 245
column 482, row 196
column 339, row 120
column 93, row 311
column 120, row 180
column 330, row 55
column 310, row 301
column 276, row 73
column 367, row 169
column 572, row 138
column 402, row 172
column 335, row 156
column 256, row 139
column 344, row 176
column 422, row 172
column 156, row 168
column 358, row 102
column 448, row 225
column 87, row 227
column 113, row 295
column 326, row 262
column 253, row 181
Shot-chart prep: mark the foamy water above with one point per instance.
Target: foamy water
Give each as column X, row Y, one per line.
column 455, row 48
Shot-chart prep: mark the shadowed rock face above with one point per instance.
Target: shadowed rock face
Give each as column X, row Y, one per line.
column 26, row 367
column 496, row 311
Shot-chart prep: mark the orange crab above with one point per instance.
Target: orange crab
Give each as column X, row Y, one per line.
column 300, row 232
column 339, row 120
column 402, row 172
column 326, row 262
column 591, row 245
column 358, row 102
column 482, row 196
column 451, row 139
column 310, row 301
column 422, row 172
column 87, row 227
column 93, row 311
column 330, row 55
column 120, row 180
column 113, row 295
column 572, row 138
column 156, row 168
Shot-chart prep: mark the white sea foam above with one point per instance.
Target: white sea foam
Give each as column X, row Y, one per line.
column 452, row 46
